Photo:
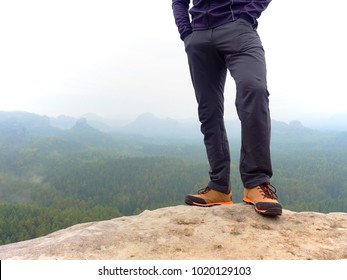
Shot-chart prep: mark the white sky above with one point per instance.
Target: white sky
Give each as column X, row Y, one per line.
column 123, row 58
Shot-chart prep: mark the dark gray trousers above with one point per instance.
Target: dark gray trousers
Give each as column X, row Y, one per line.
column 236, row 47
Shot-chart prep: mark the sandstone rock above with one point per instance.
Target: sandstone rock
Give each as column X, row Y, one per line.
column 190, row 233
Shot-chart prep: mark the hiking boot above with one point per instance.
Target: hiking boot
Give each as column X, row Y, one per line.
column 264, row 199
column 208, row 197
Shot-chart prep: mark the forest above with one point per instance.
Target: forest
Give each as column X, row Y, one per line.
column 52, row 178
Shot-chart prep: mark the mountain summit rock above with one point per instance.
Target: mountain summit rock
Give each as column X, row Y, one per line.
column 187, row 233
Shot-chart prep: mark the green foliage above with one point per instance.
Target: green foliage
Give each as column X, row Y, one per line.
column 25, row 221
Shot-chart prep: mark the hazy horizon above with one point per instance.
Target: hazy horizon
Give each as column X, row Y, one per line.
column 335, row 122
column 77, row 57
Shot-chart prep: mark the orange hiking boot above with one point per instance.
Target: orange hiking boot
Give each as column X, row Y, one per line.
column 264, row 199
column 208, row 197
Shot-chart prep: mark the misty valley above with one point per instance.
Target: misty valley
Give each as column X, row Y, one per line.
column 53, row 176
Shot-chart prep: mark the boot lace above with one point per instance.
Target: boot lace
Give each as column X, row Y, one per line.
column 268, row 190
column 204, row 190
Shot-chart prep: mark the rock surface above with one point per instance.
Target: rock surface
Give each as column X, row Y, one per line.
column 190, row 233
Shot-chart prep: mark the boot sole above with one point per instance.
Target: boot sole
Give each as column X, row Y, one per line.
column 189, row 202
column 272, row 211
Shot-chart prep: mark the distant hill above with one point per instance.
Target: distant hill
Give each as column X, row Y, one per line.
column 149, row 125
column 82, row 132
column 62, row 122
column 336, row 122
column 16, row 125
